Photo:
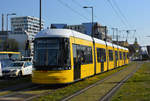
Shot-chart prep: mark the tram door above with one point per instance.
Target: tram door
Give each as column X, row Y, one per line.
column 103, row 58
column 77, row 62
column 124, row 57
column 102, row 66
column 116, row 59
column 116, row 63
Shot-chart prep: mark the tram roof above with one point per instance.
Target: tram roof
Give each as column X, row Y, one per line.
column 121, row 47
column 62, row 33
column 99, row 41
column 126, row 49
column 115, row 46
column 67, row 33
column 109, row 44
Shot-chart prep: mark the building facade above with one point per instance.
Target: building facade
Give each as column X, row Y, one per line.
column 122, row 43
column 3, row 38
column 24, row 30
column 78, row 28
column 99, row 31
column 29, row 24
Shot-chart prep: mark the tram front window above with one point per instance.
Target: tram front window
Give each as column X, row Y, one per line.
column 52, row 54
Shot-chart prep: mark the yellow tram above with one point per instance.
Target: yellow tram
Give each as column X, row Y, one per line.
column 64, row 56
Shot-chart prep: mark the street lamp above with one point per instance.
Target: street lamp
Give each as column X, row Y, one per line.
column 40, row 22
column 7, row 19
column 92, row 37
column 92, row 18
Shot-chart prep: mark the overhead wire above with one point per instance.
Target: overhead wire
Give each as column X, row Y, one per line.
column 119, row 10
column 119, row 13
column 87, row 11
column 123, row 16
column 112, row 3
column 73, row 10
column 116, row 12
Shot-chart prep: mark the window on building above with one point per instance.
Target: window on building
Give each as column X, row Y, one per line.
column 110, row 55
column 101, row 55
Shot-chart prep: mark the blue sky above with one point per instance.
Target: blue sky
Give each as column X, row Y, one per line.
column 136, row 14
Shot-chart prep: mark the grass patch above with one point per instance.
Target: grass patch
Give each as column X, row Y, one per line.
column 70, row 89
column 137, row 88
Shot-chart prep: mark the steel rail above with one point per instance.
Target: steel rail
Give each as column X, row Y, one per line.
column 93, row 85
column 109, row 95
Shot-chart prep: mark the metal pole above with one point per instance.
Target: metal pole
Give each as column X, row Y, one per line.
column 7, row 23
column 93, row 40
column 117, row 35
column 92, row 35
column 2, row 22
column 127, row 35
column 92, row 23
column 105, row 33
column 113, row 32
column 40, row 13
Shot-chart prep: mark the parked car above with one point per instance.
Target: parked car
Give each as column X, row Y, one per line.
column 27, row 59
column 3, row 64
column 17, row 69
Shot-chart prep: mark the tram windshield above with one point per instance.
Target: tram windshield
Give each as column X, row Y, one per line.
column 51, row 54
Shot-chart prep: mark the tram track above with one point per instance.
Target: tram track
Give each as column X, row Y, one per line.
column 13, row 96
column 15, row 87
column 102, row 81
column 25, row 95
column 108, row 96
column 50, row 91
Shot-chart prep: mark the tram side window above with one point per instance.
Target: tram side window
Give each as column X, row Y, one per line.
column 83, row 53
column 116, row 55
column 127, row 55
column 120, row 55
column 101, row 55
column 98, row 55
column 89, row 55
column 110, row 55
column 124, row 55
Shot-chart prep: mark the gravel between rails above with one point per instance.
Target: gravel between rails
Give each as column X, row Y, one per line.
column 93, row 85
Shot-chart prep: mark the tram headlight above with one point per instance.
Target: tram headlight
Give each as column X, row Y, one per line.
column 67, row 68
